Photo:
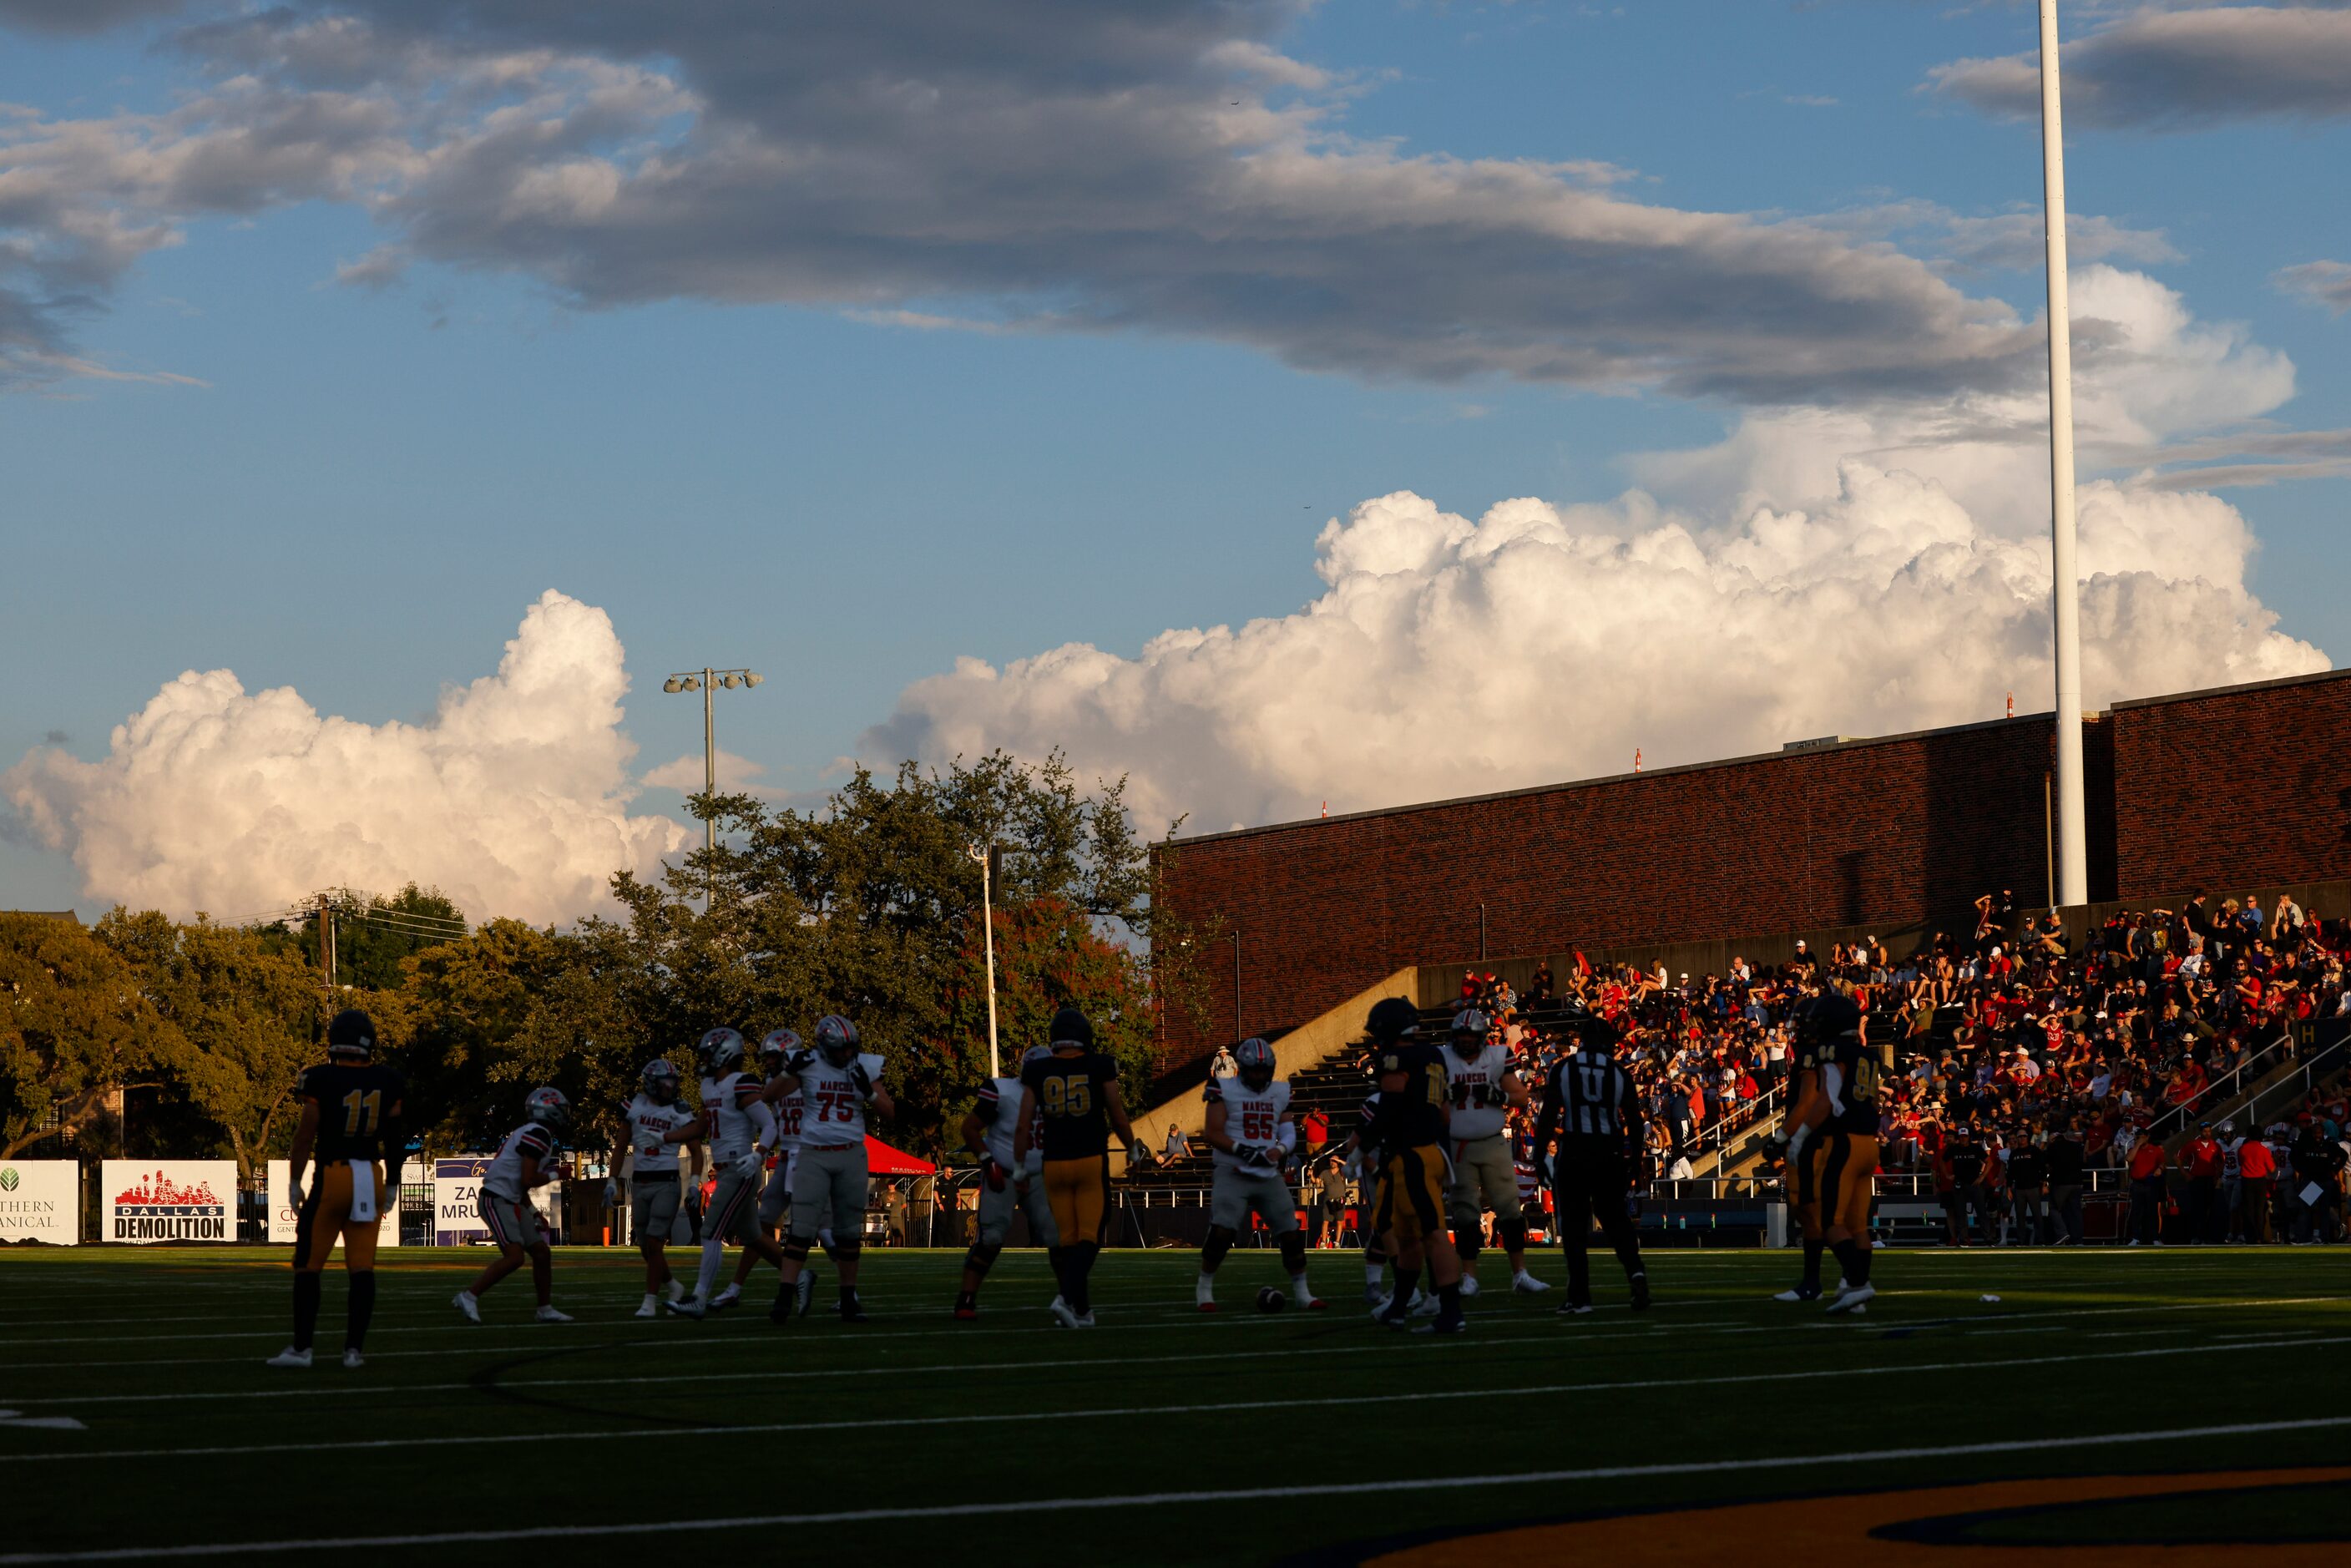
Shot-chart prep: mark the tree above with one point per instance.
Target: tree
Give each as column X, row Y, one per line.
column 870, row 906
column 76, row 1028
column 240, row 1014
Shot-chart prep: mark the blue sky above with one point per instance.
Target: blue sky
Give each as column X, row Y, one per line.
column 370, row 484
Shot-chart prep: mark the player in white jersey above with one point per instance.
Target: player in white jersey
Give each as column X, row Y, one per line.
column 776, row 1052
column 1482, row 1088
column 525, row 1161
column 836, row 1082
column 988, row 1129
column 1251, row 1132
column 658, row 1125
column 740, row 1129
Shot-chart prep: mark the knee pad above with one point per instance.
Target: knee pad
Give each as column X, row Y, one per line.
column 1466, row 1243
column 796, row 1247
column 980, row 1259
column 846, row 1251
column 1219, row 1242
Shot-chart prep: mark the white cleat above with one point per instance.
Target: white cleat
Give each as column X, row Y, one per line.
column 729, row 1297
column 651, row 1309
column 1376, row 1297
column 1425, row 1305
column 674, row 1289
column 352, row 1360
column 289, row 1356
column 1086, row 1321
column 1853, row 1301
column 466, row 1302
column 1526, row 1284
column 691, row 1307
column 1797, row 1293
column 1468, row 1285
column 550, row 1316
column 1063, row 1315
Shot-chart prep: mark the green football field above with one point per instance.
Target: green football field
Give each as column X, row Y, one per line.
column 139, row 1415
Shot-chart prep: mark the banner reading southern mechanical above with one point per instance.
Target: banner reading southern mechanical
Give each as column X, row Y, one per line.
column 283, row 1220
column 168, row 1200
column 40, row 1200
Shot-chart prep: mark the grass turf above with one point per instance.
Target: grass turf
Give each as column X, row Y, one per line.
column 912, row 1422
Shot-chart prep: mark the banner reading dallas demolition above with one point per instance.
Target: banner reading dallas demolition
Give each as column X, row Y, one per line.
column 168, row 1200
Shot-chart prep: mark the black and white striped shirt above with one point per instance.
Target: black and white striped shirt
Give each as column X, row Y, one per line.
column 1589, row 1096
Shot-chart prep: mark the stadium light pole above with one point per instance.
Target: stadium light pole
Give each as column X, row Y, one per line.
column 2065, row 580
column 986, row 855
column 707, row 681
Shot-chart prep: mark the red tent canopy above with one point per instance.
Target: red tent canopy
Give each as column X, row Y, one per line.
column 882, row 1160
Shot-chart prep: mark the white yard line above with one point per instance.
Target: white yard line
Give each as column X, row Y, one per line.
column 1153, row 1499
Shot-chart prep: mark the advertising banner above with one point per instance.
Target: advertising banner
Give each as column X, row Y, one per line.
column 282, row 1220
column 40, row 1200
column 456, row 1202
column 456, row 1194
column 148, row 1201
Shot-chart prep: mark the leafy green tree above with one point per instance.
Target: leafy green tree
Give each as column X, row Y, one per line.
column 75, row 1028
column 240, row 1014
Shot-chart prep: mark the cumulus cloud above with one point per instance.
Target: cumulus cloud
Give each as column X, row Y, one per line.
column 2326, row 284
column 736, row 774
column 1858, row 570
column 514, row 800
column 1036, row 164
column 2170, row 69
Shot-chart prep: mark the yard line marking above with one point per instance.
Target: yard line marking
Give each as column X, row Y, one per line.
column 871, row 1423
column 1189, row 1320
column 1150, row 1499
column 54, row 1422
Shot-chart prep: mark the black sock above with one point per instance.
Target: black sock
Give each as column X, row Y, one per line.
column 1081, row 1276
column 362, row 1308
column 1849, row 1257
column 306, row 1309
column 1407, row 1281
column 1812, row 1265
column 1448, row 1300
column 1861, row 1260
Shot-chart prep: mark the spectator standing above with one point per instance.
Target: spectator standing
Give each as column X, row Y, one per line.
column 1334, row 1203
column 1224, row 1066
column 2064, row 1172
column 1316, row 1128
column 2201, row 1159
column 2028, row 1189
column 2147, row 1192
column 2317, row 1162
column 2233, row 1182
column 2256, row 1169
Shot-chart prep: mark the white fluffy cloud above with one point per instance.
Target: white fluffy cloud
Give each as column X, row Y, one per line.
column 513, row 801
column 1860, row 570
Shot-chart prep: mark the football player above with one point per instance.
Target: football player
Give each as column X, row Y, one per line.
column 741, row 1129
column 1254, row 1138
column 658, row 1125
column 351, row 1120
column 524, row 1161
column 837, row 1084
column 1806, row 1112
column 1482, row 1089
column 1074, row 1089
column 1003, row 1189
column 1407, row 1135
column 776, row 1052
column 1852, row 1069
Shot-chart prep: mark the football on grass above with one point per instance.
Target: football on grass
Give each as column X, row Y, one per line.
column 1271, row 1300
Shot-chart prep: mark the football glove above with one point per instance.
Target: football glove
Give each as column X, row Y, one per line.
column 799, row 1062
column 1256, row 1158
column 294, row 1195
column 862, row 1080
column 612, row 1193
column 994, row 1175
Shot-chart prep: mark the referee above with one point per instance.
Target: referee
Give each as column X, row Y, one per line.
column 1589, row 1107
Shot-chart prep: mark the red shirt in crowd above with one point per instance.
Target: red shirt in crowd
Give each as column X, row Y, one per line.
column 2254, row 1161
column 2203, row 1159
column 2147, row 1161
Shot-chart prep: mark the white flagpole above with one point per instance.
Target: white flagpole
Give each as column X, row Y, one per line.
column 2064, row 583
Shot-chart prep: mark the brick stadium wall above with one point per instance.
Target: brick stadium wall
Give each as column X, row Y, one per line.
column 1892, row 832
column 2222, row 789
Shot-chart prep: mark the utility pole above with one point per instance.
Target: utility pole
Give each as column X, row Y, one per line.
column 2064, row 579
column 326, row 944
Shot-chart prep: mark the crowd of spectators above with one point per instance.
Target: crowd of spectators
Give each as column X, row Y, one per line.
column 2021, row 1060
